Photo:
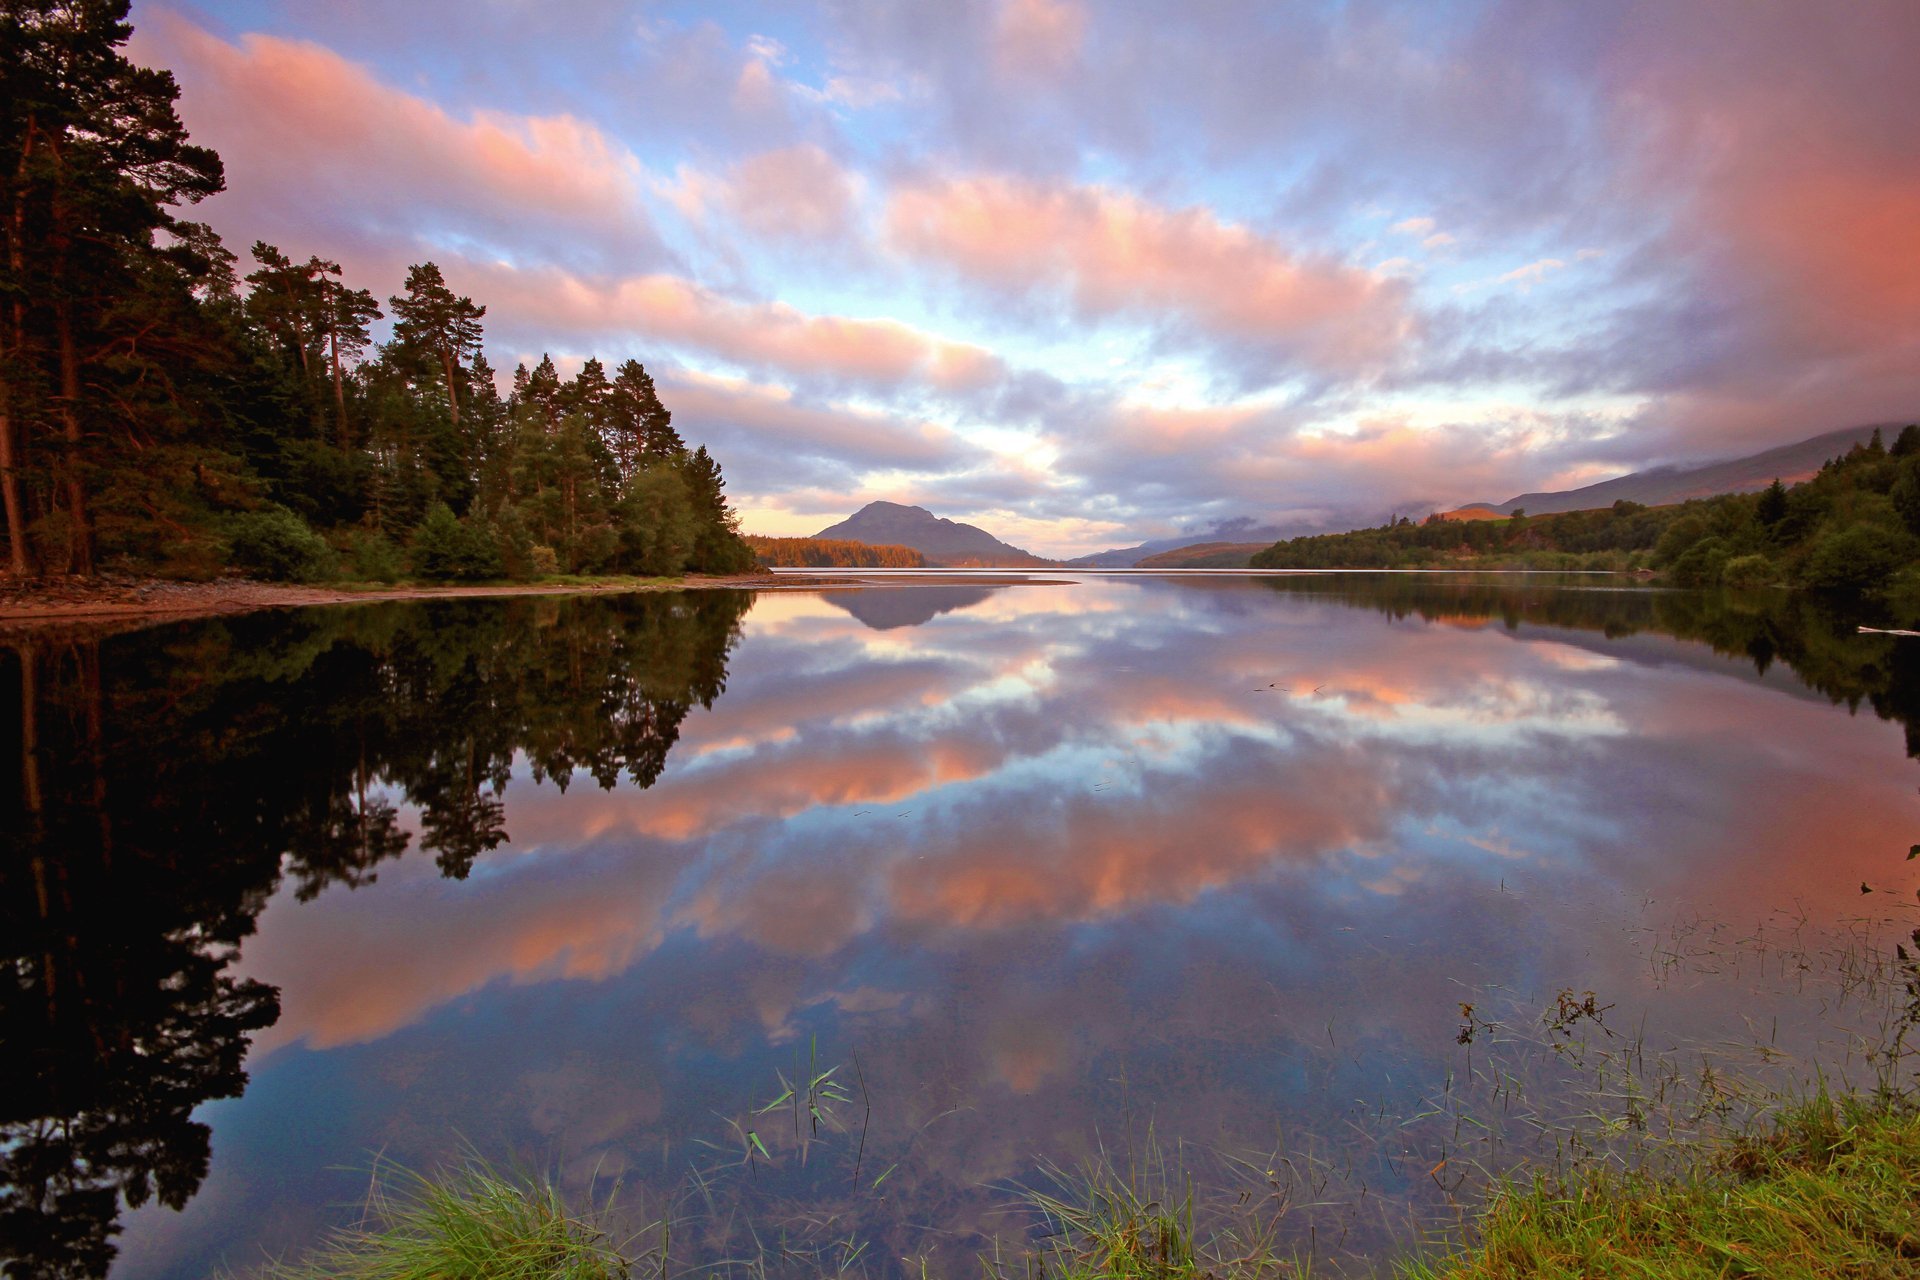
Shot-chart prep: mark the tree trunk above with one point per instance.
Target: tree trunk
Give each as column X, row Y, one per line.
column 18, row 563
column 82, row 538
column 453, row 395
column 339, row 387
column 12, row 438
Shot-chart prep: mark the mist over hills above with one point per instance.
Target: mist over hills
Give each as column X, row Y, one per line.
column 948, row 543
column 1662, row 486
column 1241, row 529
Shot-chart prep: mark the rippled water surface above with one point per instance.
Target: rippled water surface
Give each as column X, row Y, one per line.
column 582, row 883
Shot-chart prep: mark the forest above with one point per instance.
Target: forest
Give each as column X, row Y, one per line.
column 1854, row 528
column 832, row 553
column 167, row 408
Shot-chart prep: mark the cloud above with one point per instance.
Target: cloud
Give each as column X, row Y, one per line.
column 1038, row 37
column 313, row 142
column 797, row 192
column 1114, row 255
column 876, row 354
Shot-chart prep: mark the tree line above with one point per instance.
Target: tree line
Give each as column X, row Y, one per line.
column 1853, row 527
column 832, row 553
column 166, row 408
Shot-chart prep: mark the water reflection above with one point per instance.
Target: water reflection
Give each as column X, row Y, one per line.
column 169, row 783
column 1225, row 853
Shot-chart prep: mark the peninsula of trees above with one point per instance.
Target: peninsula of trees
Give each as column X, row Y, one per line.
column 832, row 553
column 168, row 409
column 1852, row 527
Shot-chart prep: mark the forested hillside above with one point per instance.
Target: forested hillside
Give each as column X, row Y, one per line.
column 168, row 408
column 832, row 553
column 1854, row 526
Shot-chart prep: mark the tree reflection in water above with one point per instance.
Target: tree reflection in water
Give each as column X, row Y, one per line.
column 167, row 783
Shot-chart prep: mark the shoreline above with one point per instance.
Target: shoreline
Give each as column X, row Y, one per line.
column 163, row 599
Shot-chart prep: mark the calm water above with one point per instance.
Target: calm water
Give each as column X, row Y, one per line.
column 579, row 882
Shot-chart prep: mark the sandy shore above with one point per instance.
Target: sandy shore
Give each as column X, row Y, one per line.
column 62, row 600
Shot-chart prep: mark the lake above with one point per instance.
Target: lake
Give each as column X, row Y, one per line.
column 1198, row 873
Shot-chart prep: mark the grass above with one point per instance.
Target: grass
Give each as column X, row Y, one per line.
column 1591, row 1155
column 466, row 1222
column 1833, row 1190
column 1830, row 1189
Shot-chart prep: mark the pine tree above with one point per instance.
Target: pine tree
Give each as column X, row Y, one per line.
column 432, row 325
column 93, row 156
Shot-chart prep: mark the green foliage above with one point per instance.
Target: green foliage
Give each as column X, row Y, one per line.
column 1830, row 1191
column 657, row 528
column 1905, row 492
column 155, row 396
column 371, row 556
column 447, row 547
column 278, row 545
column 1852, row 529
column 1861, row 558
column 1752, row 570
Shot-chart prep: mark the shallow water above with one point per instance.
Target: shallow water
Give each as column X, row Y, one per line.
column 581, row 883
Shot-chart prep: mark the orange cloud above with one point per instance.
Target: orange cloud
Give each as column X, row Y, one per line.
column 1114, row 253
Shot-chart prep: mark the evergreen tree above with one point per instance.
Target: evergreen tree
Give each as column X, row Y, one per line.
column 93, row 156
column 432, row 325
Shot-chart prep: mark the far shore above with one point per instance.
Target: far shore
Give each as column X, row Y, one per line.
column 62, row 600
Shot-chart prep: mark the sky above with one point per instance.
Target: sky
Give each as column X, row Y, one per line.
column 1089, row 272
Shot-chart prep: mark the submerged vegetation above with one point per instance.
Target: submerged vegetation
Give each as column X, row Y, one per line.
column 162, row 413
column 1852, row 528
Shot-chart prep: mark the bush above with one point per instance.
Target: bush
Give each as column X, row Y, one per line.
column 1862, row 558
column 543, row 561
column 277, row 545
column 447, row 547
column 1701, row 564
column 372, row 557
column 1749, row 571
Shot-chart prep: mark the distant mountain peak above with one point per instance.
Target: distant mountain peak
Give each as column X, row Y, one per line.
column 941, row 541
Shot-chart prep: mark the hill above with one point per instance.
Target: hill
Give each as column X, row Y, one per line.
column 1663, row 486
column 1852, row 527
column 947, row 543
column 1205, row 555
column 1240, row 530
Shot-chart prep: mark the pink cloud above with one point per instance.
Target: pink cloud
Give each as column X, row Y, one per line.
column 1115, row 254
column 1038, row 37
column 691, row 316
column 797, row 192
column 309, row 136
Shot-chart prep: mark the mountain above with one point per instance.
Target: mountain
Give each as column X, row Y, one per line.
column 892, row 607
column 943, row 542
column 1205, row 555
column 1238, row 530
column 1662, row 486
